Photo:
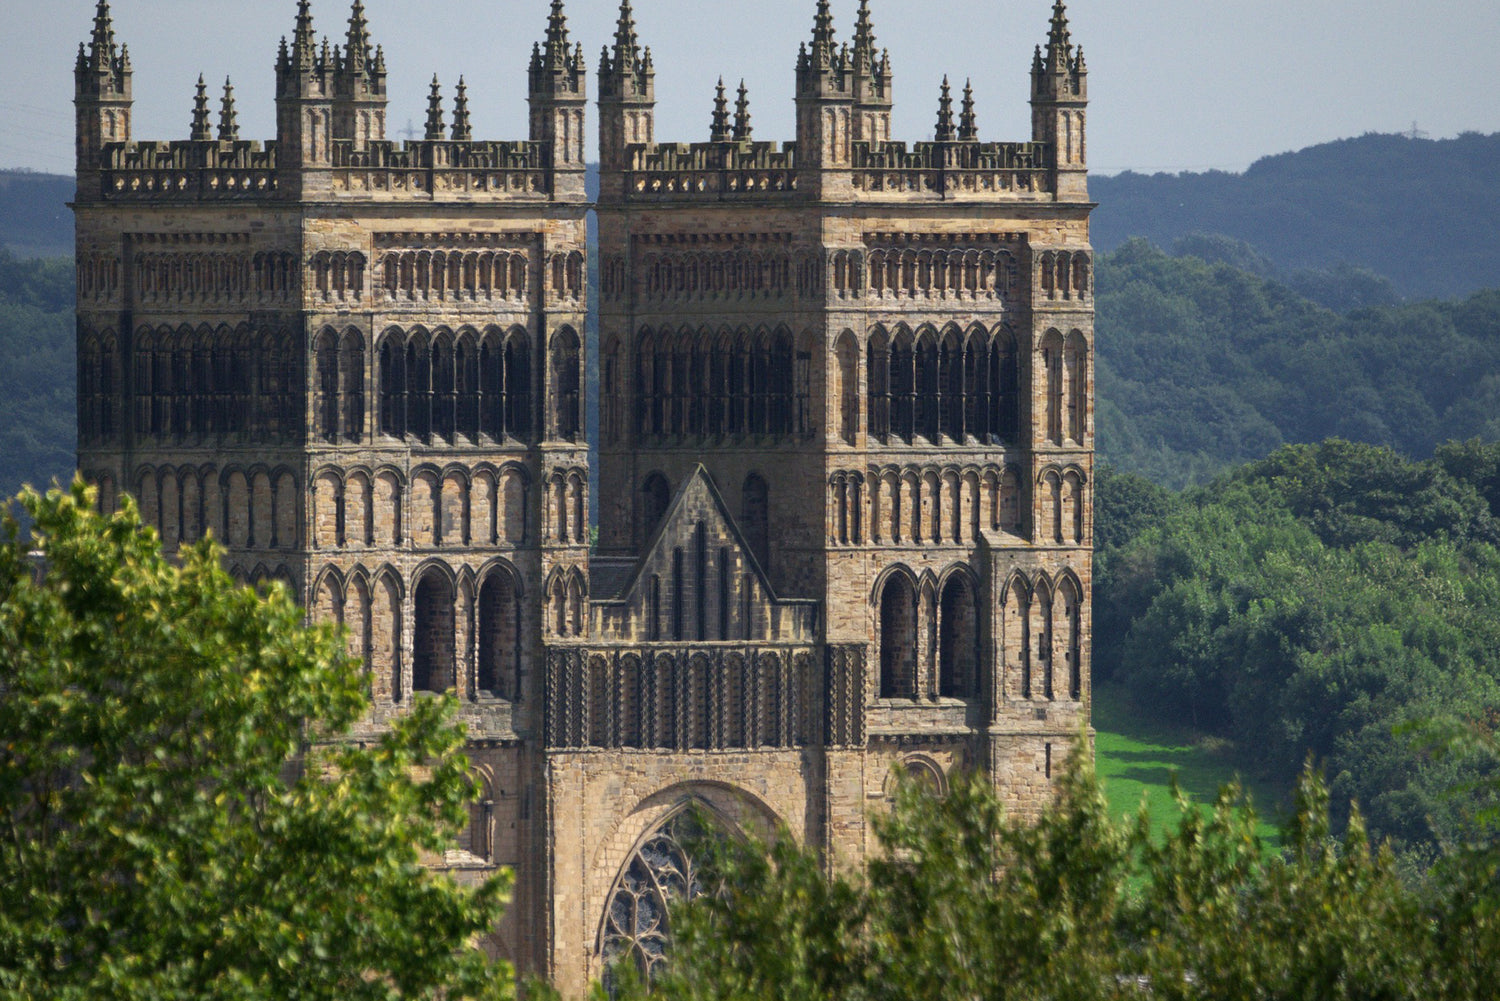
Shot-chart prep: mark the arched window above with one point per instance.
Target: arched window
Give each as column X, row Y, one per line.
column 433, row 666
column 1005, row 387
column 903, row 386
column 492, row 386
column 760, row 384
column 352, row 374
column 846, row 392
column 659, row 874
column 878, row 383
column 928, row 387
column 466, row 388
column 1054, row 376
column 161, row 386
column 327, row 403
column 656, row 494
column 898, row 639
column 444, row 400
column 566, row 385
column 88, row 389
column 958, row 641
column 145, row 354
column 518, row 419
column 755, row 517
column 952, row 400
column 182, row 360
column 1069, row 635
column 976, row 386
column 499, row 637
column 782, row 386
column 106, row 387
column 721, row 390
column 418, row 388
column 682, row 356
column 740, row 375
column 393, row 387
column 1075, row 387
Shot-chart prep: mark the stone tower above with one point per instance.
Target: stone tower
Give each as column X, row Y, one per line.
column 846, row 436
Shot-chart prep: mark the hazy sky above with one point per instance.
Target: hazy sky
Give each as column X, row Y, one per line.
column 1176, row 84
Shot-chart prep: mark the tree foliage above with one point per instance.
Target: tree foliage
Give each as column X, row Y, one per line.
column 1324, row 600
column 1204, row 366
column 179, row 814
column 960, row 902
column 1418, row 212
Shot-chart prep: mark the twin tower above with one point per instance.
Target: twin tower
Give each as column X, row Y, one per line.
column 845, row 436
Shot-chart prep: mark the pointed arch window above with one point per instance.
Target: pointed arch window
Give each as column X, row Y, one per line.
column 659, row 874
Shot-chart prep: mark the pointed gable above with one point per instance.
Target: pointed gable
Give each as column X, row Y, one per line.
column 698, row 580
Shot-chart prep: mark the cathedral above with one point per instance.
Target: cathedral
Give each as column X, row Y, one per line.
column 845, row 435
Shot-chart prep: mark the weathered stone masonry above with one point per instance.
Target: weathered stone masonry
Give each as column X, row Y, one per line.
column 846, row 445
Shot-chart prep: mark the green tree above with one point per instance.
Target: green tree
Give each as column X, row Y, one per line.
column 180, row 816
column 964, row 903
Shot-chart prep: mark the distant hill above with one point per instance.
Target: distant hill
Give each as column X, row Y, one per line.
column 1203, row 366
column 35, row 220
column 1421, row 213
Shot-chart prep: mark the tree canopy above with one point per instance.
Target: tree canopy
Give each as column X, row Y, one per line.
column 962, row 902
column 1329, row 599
column 180, row 814
column 1204, row 366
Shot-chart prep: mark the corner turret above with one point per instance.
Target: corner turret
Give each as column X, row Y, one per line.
column 873, row 93
column 101, row 99
column 359, row 87
column 558, row 97
column 627, row 95
column 1059, row 103
column 825, row 106
column 305, row 84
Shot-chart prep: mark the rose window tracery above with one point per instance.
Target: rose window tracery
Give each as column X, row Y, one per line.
column 661, row 872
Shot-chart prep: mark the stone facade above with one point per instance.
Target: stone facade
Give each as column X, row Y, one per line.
column 846, row 437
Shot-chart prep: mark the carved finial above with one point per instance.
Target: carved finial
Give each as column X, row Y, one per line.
column 1079, row 67
column 202, row 128
column 626, row 43
column 229, row 126
column 719, row 130
column 325, row 57
column 945, row 114
column 1058, row 37
column 358, row 50
column 435, row 128
column 742, row 115
column 102, row 52
column 557, row 36
column 823, row 31
column 304, row 43
column 379, row 60
column 864, row 37
column 968, row 122
column 462, row 131
column 123, row 67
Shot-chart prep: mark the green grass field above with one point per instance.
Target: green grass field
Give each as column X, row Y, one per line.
column 1138, row 756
